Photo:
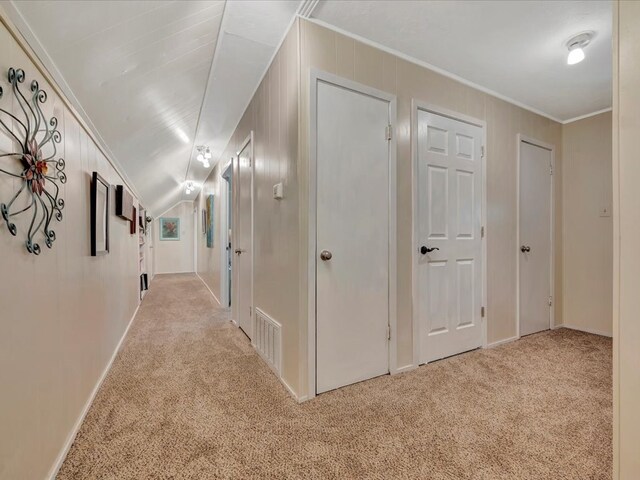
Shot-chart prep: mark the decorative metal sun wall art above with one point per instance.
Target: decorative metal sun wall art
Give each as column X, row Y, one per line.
column 38, row 192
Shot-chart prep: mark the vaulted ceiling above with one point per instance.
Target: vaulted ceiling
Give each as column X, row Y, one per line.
column 156, row 78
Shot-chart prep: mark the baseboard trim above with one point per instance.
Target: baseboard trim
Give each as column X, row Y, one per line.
column 53, row 472
column 175, row 273
column 406, row 368
column 502, row 342
column 210, row 291
column 593, row 331
column 292, row 391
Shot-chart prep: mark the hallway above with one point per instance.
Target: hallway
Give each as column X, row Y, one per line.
column 188, row 397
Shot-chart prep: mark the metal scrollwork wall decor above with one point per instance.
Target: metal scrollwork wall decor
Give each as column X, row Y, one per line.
column 38, row 194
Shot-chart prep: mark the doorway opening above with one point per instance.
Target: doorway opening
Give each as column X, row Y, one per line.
column 226, row 232
column 242, row 240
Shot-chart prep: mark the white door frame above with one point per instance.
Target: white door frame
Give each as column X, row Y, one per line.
column 248, row 141
column 417, row 105
column 547, row 146
column 196, row 224
column 224, row 234
column 320, row 76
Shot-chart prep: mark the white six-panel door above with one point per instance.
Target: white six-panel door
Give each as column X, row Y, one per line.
column 534, row 251
column 352, row 256
column 449, row 155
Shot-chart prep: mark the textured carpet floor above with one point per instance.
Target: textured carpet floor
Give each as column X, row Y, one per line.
column 187, row 397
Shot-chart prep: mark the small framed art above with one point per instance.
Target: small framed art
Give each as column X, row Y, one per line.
column 169, row 228
column 99, row 215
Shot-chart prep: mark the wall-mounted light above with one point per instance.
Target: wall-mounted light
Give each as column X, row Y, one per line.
column 576, row 45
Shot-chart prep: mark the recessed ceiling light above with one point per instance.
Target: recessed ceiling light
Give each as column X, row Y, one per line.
column 576, row 45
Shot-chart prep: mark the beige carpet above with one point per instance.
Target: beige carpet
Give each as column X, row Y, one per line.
column 187, row 397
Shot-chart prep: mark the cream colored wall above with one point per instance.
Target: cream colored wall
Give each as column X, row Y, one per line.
column 209, row 259
column 272, row 115
column 176, row 256
column 626, row 277
column 335, row 53
column 62, row 313
column 587, row 236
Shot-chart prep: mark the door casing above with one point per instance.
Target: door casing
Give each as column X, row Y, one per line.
column 249, row 141
column 226, row 256
column 532, row 141
column 417, row 105
column 320, row 76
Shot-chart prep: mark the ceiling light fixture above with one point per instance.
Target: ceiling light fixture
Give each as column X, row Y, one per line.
column 189, row 188
column 576, row 45
column 204, row 154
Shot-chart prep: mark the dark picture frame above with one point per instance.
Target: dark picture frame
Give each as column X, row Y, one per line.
column 133, row 224
column 100, row 193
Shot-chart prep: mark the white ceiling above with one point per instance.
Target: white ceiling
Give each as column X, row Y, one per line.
column 156, row 78
column 139, row 72
column 514, row 48
column 251, row 32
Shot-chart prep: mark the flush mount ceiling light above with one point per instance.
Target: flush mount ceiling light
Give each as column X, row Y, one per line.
column 190, row 187
column 204, row 154
column 576, row 45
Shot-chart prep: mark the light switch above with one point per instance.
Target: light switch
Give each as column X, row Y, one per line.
column 278, row 191
column 605, row 211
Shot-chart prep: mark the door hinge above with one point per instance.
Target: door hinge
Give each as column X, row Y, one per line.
column 387, row 132
column 482, row 312
column 388, row 332
column 481, row 232
column 550, row 301
column 550, row 169
column 250, row 311
column 482, row 151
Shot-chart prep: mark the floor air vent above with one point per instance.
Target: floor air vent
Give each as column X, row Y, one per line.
column 268, row 339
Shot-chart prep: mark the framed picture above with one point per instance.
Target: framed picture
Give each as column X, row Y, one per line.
column 169, row 228
column 210, row 221
column 133, row 226
column 99, row 215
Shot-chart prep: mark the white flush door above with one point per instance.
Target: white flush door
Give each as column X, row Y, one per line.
column 243, row 242
column 352, row 257
column 535, row 238
column 449, row 236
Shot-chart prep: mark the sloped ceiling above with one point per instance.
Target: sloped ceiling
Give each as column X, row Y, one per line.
column 139, row 72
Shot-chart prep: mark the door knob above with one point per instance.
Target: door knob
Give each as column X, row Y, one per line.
column 239, row 251
column 325, row 255
column 424, row 250
column 525, row 248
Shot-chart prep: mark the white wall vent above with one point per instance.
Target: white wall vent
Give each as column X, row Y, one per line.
column 267, row 336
